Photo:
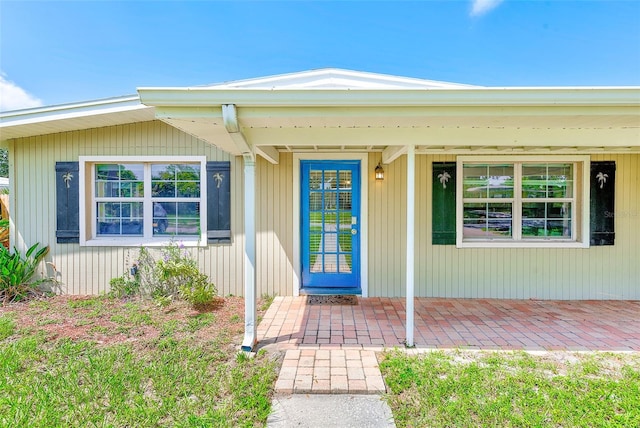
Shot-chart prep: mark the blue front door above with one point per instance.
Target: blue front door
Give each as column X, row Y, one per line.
column 330, row 205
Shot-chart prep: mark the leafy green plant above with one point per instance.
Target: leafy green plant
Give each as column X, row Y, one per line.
column 176, row 274
column 17, row 272
column 162, row 301
column 198, row 292
column 124, row 286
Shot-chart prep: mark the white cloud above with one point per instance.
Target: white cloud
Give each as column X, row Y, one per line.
column 13, row 97
column 480, row 7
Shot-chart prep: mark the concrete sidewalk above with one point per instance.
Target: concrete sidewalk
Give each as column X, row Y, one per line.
column 330, row 410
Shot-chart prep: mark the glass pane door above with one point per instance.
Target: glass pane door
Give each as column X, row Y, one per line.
column 330, row 223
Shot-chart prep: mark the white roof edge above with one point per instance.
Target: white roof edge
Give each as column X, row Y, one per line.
column 65, row 111
column 452, row 89
column 474, row 96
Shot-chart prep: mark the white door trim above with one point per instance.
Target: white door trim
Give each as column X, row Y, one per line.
column 364, row 214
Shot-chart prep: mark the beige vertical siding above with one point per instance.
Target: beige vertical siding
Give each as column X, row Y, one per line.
column 87, row 270
column 608, row 272
column 274, row 226
column 387, row 228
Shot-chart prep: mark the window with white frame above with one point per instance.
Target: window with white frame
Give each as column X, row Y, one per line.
column 526, row 201
column 140, row 201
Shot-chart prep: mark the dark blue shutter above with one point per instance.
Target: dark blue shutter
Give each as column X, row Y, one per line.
column 443, row 204
column 602, row 211
column 218, row 202
column 67, row 203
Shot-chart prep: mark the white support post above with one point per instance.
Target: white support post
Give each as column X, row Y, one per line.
column 411, row 216
column 250, row 314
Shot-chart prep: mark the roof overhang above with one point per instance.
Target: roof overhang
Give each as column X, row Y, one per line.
column 72, row 117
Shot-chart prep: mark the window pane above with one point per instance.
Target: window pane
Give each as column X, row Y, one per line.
column 345, row 240
column 315, row 201
column 330, row 263
column 315, row 180
column 330, row 180
column 547, row 181
column 546, row 219
column 119, row 181
column 345, row 221
column 160, row 218
column 500, row 181
column 330, row 201
column 560, row 183
column 316, row 263
column 345, row 201
column 187, row 226
column 345, row 179
column 176, row 218
column 487, row 220
column 120, row 218
column 475, row 181
column 175, row 180
column 488, row 181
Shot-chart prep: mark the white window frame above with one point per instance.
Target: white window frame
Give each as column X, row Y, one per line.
column 579, row 212
column 88, row 228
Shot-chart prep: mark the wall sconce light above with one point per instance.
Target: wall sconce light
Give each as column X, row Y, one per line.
column 379, row 172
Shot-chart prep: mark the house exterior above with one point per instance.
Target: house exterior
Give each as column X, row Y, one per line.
column 488, row 192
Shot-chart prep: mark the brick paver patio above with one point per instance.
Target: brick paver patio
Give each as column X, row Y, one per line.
column 337, row 336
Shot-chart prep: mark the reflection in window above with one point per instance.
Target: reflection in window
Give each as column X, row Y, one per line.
column 175, row 180
column 120, row 180
column 176, row 218
column 488, row 220
column 547, row 200
column 120, row 218
column 517, row 201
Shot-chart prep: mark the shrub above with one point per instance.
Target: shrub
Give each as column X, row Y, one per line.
column 179, row 274
column 175, row 275
column 17, row 272
column 124, row 286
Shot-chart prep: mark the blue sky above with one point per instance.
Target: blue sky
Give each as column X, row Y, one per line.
column 58, row 52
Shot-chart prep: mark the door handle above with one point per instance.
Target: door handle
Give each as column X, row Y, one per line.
column 354, row 231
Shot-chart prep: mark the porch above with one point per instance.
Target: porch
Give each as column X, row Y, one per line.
column 377, row 323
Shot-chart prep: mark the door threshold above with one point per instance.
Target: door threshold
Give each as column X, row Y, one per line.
column 331, row 291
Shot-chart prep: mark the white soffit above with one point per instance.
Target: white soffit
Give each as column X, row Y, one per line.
column 72, row 117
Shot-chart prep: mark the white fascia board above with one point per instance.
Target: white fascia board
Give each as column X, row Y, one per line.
column 577, row 96
column 69, row 111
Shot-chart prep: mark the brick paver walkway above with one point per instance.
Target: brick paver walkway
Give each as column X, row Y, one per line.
column 330, row 371
column 330, row 349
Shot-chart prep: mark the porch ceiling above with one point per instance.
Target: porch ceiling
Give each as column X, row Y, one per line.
column 431, row 129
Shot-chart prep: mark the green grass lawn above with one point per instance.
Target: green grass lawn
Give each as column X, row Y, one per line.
column 467, row 389
column 99, row 362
